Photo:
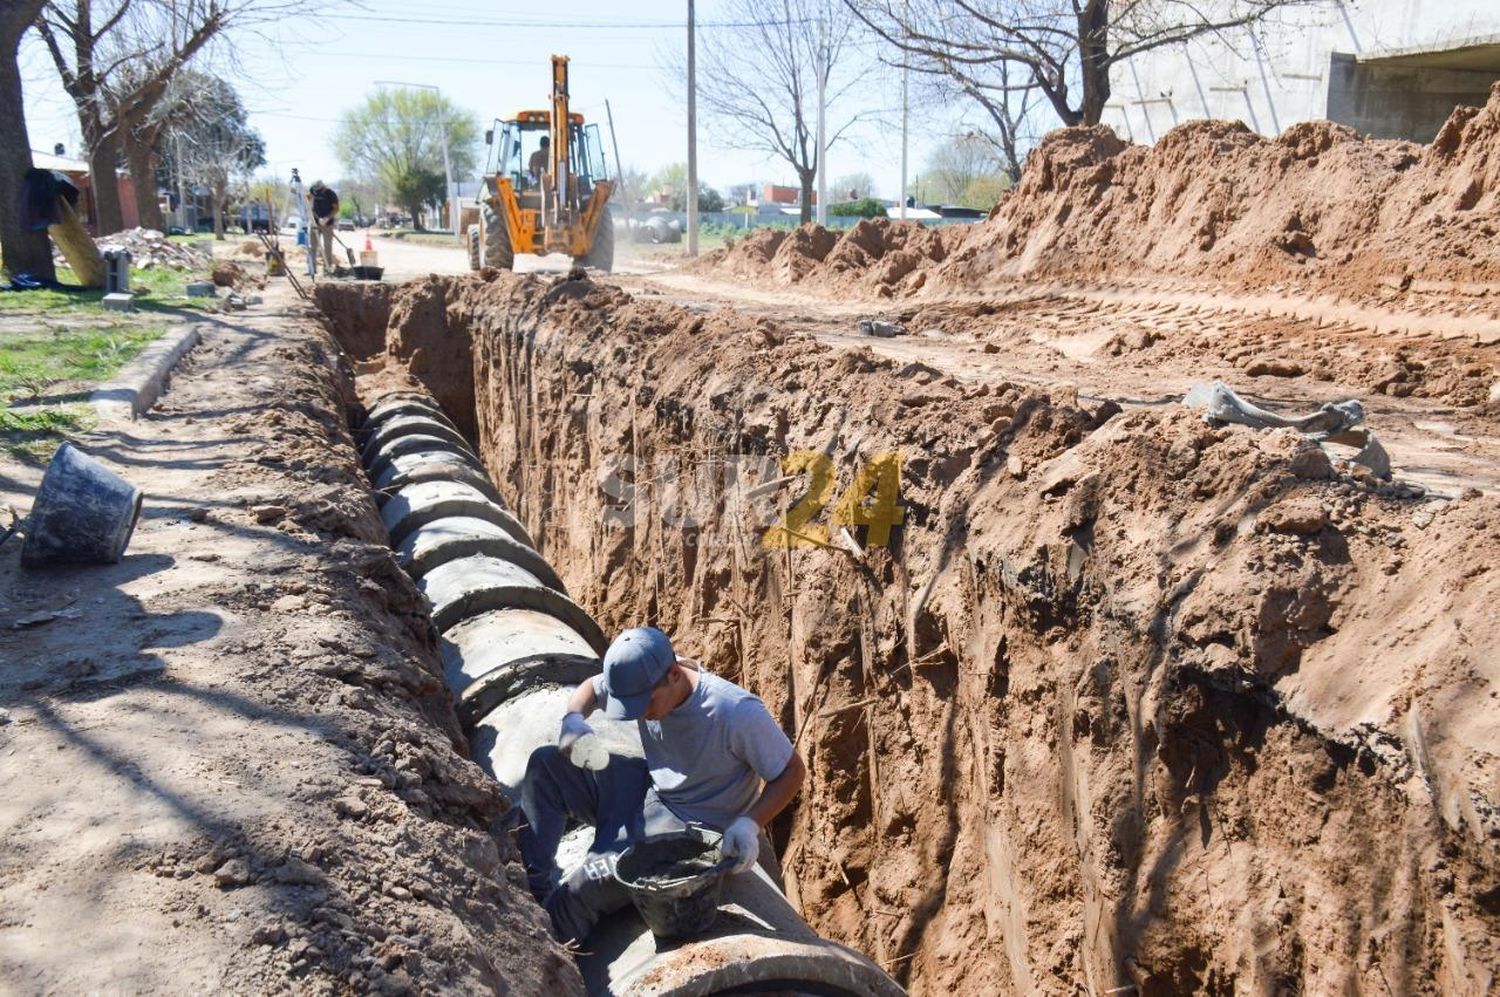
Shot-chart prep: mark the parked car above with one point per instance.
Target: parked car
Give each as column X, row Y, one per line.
column 255, row 216
column 345, row 225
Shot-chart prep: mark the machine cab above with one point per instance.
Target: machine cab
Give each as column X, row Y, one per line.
column 518, row 142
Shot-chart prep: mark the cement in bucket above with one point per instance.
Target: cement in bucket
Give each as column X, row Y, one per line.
column 84, row 513
column 675, row 881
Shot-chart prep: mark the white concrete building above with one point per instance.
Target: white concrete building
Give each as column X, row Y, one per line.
column 1388, row 68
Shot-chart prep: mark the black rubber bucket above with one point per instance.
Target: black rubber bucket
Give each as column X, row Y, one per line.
column 675, row 881
column 84, row 513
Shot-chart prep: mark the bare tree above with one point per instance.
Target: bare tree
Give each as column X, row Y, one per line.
column 23, row 250
column 1064, row 48
column 1008, row 107
column 218, row 148
column 116, row 59
column 758, row 79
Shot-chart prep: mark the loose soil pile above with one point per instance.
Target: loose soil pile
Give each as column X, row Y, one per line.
column 1127, row 700
column 230, row 763
column 1318, row 206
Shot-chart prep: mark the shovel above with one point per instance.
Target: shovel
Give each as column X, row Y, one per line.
column 347, row 251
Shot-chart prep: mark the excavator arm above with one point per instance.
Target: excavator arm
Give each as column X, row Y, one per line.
column 557, row 212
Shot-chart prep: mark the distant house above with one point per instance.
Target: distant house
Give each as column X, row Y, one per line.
column 776, row 194
column 77, row 170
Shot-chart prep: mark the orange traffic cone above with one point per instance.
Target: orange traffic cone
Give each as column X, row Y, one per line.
column 368, row 248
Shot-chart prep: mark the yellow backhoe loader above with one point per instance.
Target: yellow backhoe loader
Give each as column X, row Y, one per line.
column 546, row 188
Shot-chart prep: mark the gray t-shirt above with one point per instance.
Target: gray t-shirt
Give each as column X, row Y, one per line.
column 709, row 755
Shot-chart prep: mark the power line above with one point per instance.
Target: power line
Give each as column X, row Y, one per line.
column 482, row 62
column 574, row 25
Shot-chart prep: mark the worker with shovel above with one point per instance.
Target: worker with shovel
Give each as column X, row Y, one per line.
column 325, row 212
column 714, row 757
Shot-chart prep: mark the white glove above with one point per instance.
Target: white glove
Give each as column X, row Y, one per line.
column 580, row 745
column 741, row 842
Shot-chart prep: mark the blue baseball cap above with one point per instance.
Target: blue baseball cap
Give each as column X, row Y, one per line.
column 634, row 663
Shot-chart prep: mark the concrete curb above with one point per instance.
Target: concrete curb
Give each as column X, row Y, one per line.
column 137, row 387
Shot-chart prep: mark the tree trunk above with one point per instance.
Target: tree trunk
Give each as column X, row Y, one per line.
column 23, row 251
column 807, row 177
column 103, row 155
column 141, row 158
column 221, row 204
column 1093, row 59
column 416, row 215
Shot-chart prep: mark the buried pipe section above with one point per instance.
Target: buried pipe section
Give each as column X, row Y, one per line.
column 513, row 647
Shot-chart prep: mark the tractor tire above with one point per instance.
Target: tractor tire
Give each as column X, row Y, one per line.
column 473, row 234
column 497, row 251
column 601, row 254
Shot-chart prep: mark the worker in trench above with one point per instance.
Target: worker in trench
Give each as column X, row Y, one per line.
column 714, row 756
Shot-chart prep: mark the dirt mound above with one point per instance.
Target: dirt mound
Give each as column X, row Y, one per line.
column 1119, row 701
column 876, row 256
column 1318, row 206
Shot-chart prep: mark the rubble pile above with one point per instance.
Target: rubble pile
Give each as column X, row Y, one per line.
column 150, row 248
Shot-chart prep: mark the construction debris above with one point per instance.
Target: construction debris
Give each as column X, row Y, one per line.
column 881, row 329
column 150, row 249
column 1334, row 422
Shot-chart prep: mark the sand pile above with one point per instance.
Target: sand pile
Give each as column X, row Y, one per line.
column 877, row 256
column 1319, row 205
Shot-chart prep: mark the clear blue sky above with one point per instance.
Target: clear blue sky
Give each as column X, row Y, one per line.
column 330, row 57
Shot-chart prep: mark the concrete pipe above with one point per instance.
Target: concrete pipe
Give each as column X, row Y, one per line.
column 417, row 505
column 494, row 656
column 411, row 425
column 420, row 443
column 398, row 397
column 462, row 589
column 392, row 407
column 513, row 647
column 453, row 537
column 414, row 469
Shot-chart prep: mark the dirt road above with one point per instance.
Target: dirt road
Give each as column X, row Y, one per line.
column 1146, row 345
column 406, row 260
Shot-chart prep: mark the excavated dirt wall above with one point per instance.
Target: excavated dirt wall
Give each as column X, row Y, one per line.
column 1127, row 701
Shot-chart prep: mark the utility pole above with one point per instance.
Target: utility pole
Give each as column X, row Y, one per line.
column 692, row 177
column 619, row 169
column 447, row 168
column 822, row 120
column 906, row 114
column 905, row 118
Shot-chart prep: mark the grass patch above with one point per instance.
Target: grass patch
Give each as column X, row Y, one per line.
column 158, row 289
column 32, row 434
column 33, row 362
column 46, row 376
column 443, row 240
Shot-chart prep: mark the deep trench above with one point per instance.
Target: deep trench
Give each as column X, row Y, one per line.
column 1044, row 749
